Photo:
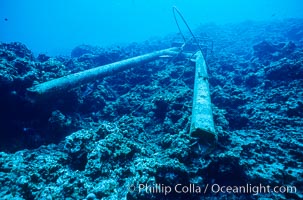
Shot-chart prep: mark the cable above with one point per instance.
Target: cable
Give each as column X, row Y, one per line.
column 175, row 9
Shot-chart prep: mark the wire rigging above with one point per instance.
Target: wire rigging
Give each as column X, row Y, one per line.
column 175, row 10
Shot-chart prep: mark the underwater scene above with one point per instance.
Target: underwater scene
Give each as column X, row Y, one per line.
column 159, row 100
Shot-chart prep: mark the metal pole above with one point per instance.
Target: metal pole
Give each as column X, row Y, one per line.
column 65, row 83
column 202, row 123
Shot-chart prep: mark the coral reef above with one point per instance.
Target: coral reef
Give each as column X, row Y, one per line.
column 127, row 136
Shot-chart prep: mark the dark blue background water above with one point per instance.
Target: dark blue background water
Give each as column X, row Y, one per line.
column 55, row 27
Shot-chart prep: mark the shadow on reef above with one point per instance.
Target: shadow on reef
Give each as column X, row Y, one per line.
column 24, row 124
column 27, row 122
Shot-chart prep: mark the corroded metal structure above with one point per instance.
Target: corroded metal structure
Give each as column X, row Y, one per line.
column 65, row 83
column 202, row 123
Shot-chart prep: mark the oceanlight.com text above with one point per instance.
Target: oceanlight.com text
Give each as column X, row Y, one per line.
column 251, row 189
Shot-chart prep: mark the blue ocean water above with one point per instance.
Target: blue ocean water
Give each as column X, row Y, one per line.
column 56, row 27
